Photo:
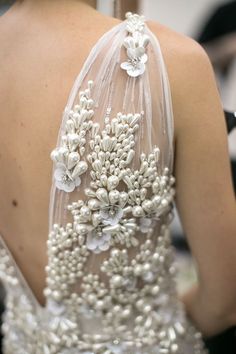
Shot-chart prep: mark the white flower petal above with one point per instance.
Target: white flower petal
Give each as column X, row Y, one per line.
column 98, row 243
column 126, row 65
column 144, row 58
column 104, row 246
column 91, row 242
column 113, row 220
column 142, row 68
column 69, row 187
column 66, row 187
column 107, row 236
column 97, row 250
column 136, row 71
column 108, row 217
column 60, row 171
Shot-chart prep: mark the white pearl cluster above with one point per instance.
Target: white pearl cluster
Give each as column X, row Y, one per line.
column 110, row 215
column 67, row 255
column 121, row 204
column 135, row 44
column 129, row 303
column 7, row 271
column 67, row 157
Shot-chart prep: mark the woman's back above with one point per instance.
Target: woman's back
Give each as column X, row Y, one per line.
column 41, row 56
column 35, row 88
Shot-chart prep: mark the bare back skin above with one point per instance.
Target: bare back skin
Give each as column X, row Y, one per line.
column 43, row 47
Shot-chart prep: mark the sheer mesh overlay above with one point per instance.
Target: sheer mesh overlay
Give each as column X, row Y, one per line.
column 110, row 273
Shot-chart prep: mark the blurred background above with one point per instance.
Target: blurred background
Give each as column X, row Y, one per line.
column 213, row 24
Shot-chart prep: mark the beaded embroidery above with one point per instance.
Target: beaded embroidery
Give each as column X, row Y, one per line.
column 135, row 44
column 129, row 304
column 67, row 157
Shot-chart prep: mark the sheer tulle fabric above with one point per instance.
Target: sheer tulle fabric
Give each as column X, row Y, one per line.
column 110, row 274
column 115, row 91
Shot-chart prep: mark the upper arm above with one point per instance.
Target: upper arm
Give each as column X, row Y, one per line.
column 204, row 190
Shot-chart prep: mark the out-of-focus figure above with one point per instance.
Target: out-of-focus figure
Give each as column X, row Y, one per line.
column 219, row 39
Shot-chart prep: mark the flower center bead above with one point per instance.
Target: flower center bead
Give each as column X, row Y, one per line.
column 65, row 179
column 112, row 211
column 135, row 61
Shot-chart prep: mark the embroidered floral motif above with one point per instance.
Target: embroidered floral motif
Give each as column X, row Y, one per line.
column 98, row 240
column 67, row 157
column 119, row 202
column 57, row 329
column 109, row 216
column 135, row 66
column 64, row 179
column 118, row 211
column 126, row 212
column 135, row 45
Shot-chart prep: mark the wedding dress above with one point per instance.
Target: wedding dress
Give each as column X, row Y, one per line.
column 110, row 274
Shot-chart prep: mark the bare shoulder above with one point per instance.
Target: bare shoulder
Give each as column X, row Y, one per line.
column 177, row 47
column 173, row 40
column 188, row 65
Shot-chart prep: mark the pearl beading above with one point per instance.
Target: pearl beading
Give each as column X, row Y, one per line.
column 147, row 320
column 68, row 156
column 135, row 44
column 125, row 211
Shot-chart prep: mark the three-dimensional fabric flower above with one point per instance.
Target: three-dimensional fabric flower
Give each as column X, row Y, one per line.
column 98, row 240
column 64, row 180
column 135, row 45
